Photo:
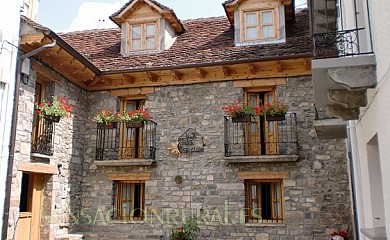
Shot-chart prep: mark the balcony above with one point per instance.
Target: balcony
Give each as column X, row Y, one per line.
column 43, row 143
column 122, row 145
column 260, row 140
column 343, row 67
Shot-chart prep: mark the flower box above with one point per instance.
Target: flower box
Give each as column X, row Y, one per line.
column 275, row 118
column 135, row 124
column 52, row 118
column 111, row 125
column 243, row 118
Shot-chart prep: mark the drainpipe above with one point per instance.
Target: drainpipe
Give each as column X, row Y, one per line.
column 13, row 135
column 352, row 135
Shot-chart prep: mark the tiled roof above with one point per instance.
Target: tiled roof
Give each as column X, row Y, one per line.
column 206, row 41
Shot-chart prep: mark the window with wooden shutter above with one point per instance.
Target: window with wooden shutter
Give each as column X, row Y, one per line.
column 131, row 142
column 129, row 200
column 264, row 201
column 262, row 135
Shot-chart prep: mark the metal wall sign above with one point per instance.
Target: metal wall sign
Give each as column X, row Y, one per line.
column 191, row 141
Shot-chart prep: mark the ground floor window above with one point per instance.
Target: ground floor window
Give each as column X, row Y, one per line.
column 264, row 201
column 129, row 200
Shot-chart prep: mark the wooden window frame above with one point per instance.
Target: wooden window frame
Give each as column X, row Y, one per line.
column 118, row 201
column 138, row 140
column 143, row 37
column 259, row 24
column 37, row 121
column 248, row 200
column 263, row 141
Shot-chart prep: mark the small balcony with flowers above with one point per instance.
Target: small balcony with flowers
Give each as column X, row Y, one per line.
column 47, row 114
column 267, row 133
column 125, row 139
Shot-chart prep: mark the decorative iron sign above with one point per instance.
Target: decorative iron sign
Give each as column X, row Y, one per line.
column 191, row 141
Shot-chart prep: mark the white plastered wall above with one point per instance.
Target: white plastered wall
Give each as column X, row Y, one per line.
column 9, row 27
column 375, row 119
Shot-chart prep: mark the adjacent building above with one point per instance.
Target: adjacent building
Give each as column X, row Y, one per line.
column 9, row 40
column 258, row 179
column 350, row 83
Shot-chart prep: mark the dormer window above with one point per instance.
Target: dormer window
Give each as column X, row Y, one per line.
column 259, row 22
column 259, row 25
column 143, row 37
column 146, row 27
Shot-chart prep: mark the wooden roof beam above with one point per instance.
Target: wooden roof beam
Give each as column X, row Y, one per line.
column 176, row 75
column 201, row 73
column 227, row 71
column 152, row 77
column 31, row 39
column 307, row 63
column 279, row 66
column 128, row 78
column 253, row 69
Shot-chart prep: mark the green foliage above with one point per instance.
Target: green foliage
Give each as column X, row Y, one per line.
column 188, row 231
column 58, row 107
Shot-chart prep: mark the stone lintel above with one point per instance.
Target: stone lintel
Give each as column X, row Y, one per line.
column 262, row 159
column 126, row 162
column 129, row 176
column 37, row 168
column 263, row 175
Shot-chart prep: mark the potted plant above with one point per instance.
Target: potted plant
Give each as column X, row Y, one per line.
column 178, row 179
column 275, row 111
column 106, row 119
column 136, row 119
column 342, row 235
column 55, row 110
column 188, row 231
column 239, row 112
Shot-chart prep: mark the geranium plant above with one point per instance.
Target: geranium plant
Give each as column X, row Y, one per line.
column 238, row 109
column 277, row 108
column 341, row 235
column 58, row 107
column 105, row 117
column 138, row 115
column 188, row 231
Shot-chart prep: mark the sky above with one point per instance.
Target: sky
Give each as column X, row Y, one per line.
column 75, row 15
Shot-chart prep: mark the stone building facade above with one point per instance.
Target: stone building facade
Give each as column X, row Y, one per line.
column 62, row 179
column 90, row 180
column 316, row 193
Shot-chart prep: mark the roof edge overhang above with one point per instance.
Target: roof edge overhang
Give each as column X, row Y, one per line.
column 53, row 36
column 211, row 64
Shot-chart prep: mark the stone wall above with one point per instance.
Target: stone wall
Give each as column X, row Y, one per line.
column 316, row 195
column 62, row 191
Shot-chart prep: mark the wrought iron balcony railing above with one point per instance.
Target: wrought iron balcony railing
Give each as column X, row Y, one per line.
column 338, row 44
column 43, row 144
column 340, row 28
column 122, row 141
column 261, row 137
